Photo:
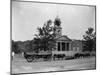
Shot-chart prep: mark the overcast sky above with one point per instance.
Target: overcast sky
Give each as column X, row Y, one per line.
column 27, row 16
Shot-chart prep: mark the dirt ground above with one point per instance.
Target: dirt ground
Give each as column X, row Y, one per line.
column 20, row 65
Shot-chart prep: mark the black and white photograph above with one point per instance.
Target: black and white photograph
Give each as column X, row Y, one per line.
column 52, row 37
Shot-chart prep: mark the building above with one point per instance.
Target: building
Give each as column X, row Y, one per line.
column 65, row 45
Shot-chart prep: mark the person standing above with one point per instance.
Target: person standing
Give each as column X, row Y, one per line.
column 13, row 55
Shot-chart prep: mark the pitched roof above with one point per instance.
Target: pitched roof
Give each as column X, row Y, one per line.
column 63, row 38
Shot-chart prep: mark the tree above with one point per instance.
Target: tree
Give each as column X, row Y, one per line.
column 45, row 39
column 89, row 43
column 25, row 46
column 15, row 47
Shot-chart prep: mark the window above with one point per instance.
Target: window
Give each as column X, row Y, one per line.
column 67, row 46
column 63, row 46
column 58, row 46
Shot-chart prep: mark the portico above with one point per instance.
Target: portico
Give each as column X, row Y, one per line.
column 63, row 46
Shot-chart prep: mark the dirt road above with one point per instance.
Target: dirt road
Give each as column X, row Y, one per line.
column 22, row 66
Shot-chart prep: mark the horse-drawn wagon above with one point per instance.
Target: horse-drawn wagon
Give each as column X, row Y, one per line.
column 30, row 56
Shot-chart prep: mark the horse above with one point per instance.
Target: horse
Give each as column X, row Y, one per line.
column 59, row 56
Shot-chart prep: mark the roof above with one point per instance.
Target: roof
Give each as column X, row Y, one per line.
column 63, row 38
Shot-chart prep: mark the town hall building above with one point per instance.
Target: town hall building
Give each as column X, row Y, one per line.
column 65, row 45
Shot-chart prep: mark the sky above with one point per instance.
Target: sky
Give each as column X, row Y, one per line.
column 27, row 16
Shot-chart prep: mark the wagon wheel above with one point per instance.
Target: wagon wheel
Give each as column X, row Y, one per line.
column 29, row 59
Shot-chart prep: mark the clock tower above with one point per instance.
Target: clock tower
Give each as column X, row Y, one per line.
column 57, row 27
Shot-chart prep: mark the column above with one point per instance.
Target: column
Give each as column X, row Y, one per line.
column 69, row 46
column 57, row 46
